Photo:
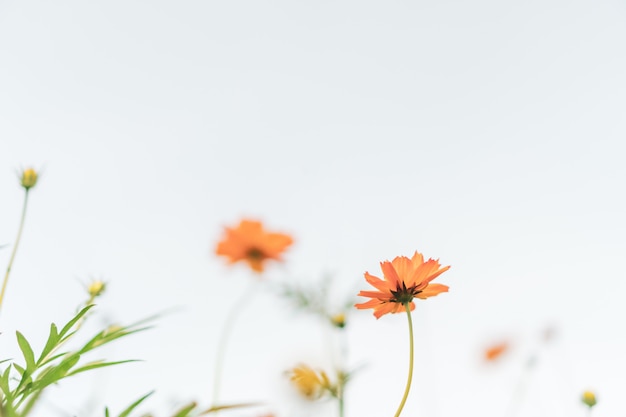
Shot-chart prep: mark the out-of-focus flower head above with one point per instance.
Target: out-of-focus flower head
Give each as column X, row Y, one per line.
column 96, row 288
column 28, row 178
column 589, row 398
column 495, row 352
column 549, row 334
column 405, row 279
column 338, row 320
column 250, row 243
column 308, row 382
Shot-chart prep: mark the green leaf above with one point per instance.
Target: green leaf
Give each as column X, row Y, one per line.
column 73, row 321
column 25, row 379
column 184, row 412
column 106, row 336
column 93, row 342
column 53, row 340
column 56, row 372
column 106, row 412
column 134, row 405
column 50, row 359
column 30, row 404
column 98, row 364
column 27, row 351
column 18, row 368
column 4, row 384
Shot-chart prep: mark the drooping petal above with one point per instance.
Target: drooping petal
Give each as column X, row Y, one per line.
column 431, row 290
column 375, row 294
column 369, row 304
column 384, row 309
column 377, row 282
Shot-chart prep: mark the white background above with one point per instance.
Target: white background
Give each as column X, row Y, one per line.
column 488, row 134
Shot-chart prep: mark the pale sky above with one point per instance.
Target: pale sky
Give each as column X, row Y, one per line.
column 487, row 134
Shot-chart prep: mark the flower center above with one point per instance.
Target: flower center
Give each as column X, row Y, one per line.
column 404, row 295
column 255, row 254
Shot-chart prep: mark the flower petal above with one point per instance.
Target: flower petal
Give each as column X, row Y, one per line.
column 377, row 282
column 384, row 309
column 375, row 294
column 417, row 259
column 431, row 290
column 369, row 304
column 390, row 274
column 404, row 268
column 424, row 272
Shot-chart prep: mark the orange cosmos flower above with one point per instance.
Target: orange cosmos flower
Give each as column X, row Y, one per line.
column 405, row 279
column 494, row 352
column 250, row 243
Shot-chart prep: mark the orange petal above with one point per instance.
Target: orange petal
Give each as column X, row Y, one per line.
column 377, row 282
column 369, row 304
column 417, row 259
column 431, row 290
column 384, row 309
column 278, row 241
column 390, row 274
column 425, row 271
column 436, row 274
column 375, row 294
column 404, row 268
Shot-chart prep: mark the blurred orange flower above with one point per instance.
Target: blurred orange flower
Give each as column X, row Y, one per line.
column 494, row 352
column 405, row 279
column 250, row 243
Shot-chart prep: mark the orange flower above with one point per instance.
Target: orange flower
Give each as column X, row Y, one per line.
column 250, row 243
column 494, row 352
column 405, row 279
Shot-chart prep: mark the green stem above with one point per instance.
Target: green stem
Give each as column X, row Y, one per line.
column 17, row 242
column 341, row 403
column 410, row 378
column 223, row 341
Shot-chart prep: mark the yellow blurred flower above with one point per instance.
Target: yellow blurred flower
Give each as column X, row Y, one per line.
column 28, row 178
column 96, row 288
column 589, row 398
column 308, row 382
column 339, row 320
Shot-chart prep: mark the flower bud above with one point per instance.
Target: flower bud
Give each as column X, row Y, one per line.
column 96, row 288
column 589, row 399
column 339, row 320
column 28, row 179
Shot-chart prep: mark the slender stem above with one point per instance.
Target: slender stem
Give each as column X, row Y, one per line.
column 410, row 378
column 341, row 403
column 17, row 242
column 223, row 341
